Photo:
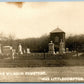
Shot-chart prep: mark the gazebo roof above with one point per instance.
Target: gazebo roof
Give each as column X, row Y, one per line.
column 57, row 30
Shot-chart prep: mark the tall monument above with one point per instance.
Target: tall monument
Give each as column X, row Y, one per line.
column 51, row 48
column 20, row 49
column 61, row 47
column 56, row 36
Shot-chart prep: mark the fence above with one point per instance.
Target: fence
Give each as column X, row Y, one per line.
column 42, row 56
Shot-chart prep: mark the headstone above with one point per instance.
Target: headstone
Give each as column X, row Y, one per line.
column 57, row 52
column 13, row 53
column 51, row 48
column 67, row 50
column 61, row 48
column 28, row 50
column 20, row 49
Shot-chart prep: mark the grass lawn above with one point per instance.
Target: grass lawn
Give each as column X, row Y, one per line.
column 55, row 68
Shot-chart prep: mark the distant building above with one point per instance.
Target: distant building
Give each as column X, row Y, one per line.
column 57, row 36
column 7, row 50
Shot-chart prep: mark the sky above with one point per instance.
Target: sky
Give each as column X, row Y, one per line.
column 34, row 19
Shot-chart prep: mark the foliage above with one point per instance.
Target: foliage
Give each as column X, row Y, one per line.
column 73, row 42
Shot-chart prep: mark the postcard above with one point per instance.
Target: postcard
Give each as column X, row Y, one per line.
column 42, row 42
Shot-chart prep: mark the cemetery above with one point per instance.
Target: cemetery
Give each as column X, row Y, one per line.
column 57, row 55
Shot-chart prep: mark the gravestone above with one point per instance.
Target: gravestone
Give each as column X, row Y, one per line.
column 20, row 49
column 13, row 54
column 61, row 47
column 28, row 50
column 51, row 48
column 67, row 50
column 57, row 52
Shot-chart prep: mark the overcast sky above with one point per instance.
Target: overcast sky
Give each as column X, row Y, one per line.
column 33, row 19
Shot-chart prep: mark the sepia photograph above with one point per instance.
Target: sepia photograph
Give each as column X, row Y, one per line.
column 42, row 41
